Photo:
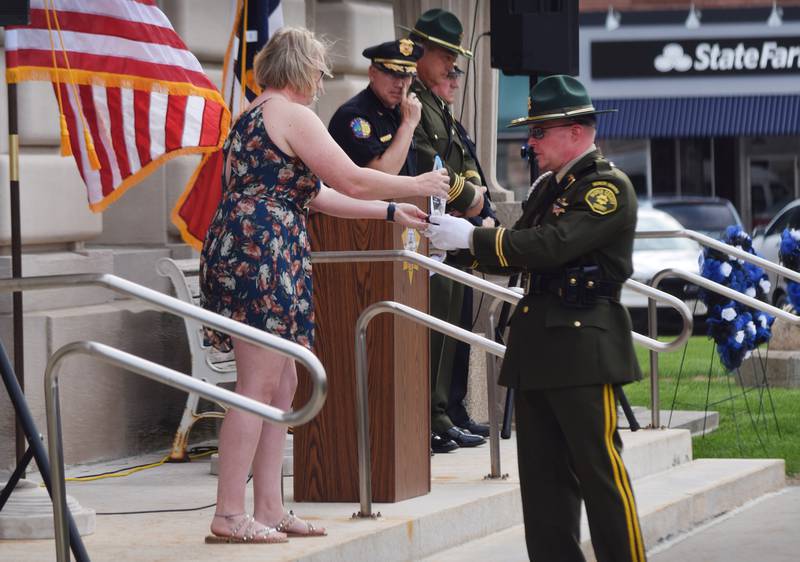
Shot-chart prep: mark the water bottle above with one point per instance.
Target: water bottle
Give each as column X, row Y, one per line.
column 438, row 204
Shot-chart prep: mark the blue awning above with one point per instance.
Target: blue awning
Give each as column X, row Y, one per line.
column 746, row 116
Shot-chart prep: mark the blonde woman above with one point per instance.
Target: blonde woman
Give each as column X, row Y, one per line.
column 255, row 264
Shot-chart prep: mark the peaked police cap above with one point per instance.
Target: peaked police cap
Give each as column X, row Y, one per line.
column 396, row 57
column 557, row 97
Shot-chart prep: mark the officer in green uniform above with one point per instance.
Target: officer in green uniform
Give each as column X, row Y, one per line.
column 440, row 33
column 570, row 338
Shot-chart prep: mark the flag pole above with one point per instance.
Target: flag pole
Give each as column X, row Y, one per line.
column 16, row 252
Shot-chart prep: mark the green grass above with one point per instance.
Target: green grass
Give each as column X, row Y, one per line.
column 736, row 436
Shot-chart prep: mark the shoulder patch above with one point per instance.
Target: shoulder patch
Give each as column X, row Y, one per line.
column 607, row 184
column 361, row 128
column 601, row 199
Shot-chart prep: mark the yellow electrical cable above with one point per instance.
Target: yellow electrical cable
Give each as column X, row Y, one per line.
column 118, row 474
column 134, row 470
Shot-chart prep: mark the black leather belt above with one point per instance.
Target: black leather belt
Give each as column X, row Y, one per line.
column 553, row 284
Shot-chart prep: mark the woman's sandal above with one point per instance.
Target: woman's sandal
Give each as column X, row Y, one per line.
column 284, row 526
column 247, row 531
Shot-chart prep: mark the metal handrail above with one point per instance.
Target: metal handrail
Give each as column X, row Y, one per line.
column 362, row 399
column 468, row 279
column 655, row 411
column 180, row 308
column 140, row 366
column 722, row 247
column 501, row 294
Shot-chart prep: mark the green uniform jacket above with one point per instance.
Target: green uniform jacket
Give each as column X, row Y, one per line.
column 436, row 134
column 592, row 222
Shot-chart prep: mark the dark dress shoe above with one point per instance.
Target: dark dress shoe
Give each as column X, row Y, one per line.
column 441, row 445
column 475, row 428
column 462, row 438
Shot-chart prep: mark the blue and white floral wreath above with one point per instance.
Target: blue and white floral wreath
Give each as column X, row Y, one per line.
column 736, row 329
column 790, row 257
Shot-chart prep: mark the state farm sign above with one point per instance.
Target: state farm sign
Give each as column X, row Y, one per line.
column 633, row 59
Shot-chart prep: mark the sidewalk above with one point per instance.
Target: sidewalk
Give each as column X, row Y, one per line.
column 765, row 530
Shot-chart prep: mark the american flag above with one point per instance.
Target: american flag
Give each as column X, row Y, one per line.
column 131, row 94
column 256, row 21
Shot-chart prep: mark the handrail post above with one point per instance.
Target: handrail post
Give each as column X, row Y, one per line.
column 491, row 397
column 56, row 452
column 362, row 425
column 655, row 402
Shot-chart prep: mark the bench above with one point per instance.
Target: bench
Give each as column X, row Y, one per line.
column 208, row 364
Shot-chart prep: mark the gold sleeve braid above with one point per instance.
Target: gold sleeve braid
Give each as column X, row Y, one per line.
column 498, row 247
column 472, row 174
column 456, row 188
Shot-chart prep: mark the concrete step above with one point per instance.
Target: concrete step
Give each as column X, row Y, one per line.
column 670, row 503
column 697, row 422
column 461, row 507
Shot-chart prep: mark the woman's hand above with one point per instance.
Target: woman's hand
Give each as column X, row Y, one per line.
column 436, row 183
column 410, row 216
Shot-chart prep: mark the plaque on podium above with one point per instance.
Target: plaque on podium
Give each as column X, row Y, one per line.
column 325, row 454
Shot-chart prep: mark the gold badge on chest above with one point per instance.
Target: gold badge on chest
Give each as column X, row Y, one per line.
column 560, row 206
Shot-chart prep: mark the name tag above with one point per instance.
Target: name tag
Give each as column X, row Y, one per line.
column 386, row 138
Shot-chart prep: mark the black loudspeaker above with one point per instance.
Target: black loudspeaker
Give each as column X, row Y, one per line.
column 535, row 36
column 15, row 12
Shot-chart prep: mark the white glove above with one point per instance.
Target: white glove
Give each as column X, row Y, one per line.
column 447, row 232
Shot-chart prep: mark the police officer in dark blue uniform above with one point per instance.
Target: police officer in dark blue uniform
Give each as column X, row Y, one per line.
column 376, row 126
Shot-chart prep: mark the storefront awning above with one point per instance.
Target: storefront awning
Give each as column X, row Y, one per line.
column 700, row 117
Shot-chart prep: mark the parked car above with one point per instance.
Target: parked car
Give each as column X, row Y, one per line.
column 769, row 193
column 651, row 255
column 767, row 241
column 707, row 215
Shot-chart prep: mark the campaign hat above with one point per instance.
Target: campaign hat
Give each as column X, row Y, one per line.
column 557, row 97
column 441, row 28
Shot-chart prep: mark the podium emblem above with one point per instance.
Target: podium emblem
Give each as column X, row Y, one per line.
column 410, row 239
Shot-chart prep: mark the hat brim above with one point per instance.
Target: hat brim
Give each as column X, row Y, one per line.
column 552, row 116
column 457, row 49
column 396, row 66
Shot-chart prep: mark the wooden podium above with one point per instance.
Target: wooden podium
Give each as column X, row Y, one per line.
column 325, row 454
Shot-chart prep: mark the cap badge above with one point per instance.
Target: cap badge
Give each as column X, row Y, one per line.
column 406, row 47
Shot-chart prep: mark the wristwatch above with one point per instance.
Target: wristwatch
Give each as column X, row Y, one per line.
column 390, row 211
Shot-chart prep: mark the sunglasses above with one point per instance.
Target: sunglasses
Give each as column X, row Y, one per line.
column 538, row 132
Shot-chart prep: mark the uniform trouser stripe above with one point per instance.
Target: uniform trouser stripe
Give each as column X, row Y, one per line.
column 621, row 477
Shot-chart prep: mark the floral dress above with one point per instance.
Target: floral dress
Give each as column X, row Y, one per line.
column 255, row 266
